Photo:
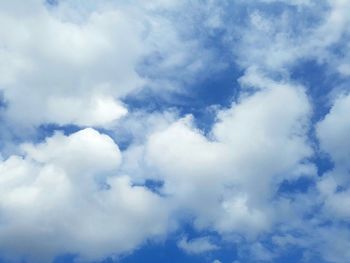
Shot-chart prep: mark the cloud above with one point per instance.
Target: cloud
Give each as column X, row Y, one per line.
column 63, row 196
column 276, row 36
column 67, row 73
column 197, row 245
column 73, row 64
column 332, row 132
column 260, row 253
column 260, row 138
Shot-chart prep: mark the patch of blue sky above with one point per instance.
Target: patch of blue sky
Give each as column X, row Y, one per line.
column 218, row 88
column 168, row 250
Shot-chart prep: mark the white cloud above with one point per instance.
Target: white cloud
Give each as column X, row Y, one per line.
column 63, row 196
column 197, row 245
column 68, row 72
column 333, row 132
column 261, row 253
column 275, row 40
column 261, row 139
column 71, row 64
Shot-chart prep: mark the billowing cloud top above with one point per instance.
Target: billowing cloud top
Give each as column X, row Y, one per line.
column 216, row 129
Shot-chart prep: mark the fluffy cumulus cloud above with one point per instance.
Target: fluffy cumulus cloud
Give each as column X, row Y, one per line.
column 119, row 129
column 47, row 52
column 71, row 64
column 63, row 195
column 260, row 138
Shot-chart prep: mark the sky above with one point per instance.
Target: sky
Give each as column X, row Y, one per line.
column 211, row 131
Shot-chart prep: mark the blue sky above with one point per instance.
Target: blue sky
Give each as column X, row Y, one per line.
column 174, row 131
